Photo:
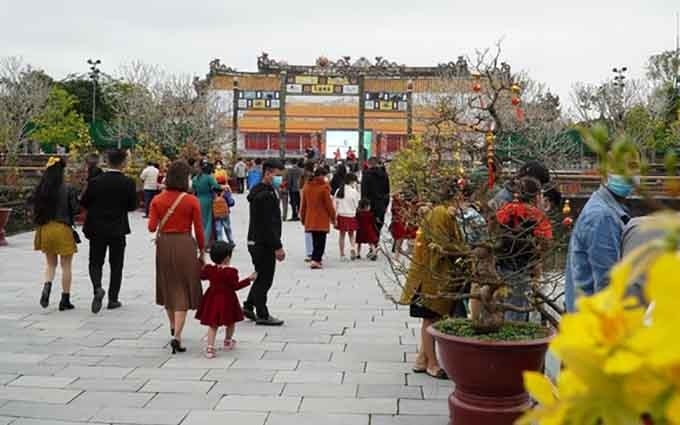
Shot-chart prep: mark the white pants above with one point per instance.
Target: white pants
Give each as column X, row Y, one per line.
column 308, row 244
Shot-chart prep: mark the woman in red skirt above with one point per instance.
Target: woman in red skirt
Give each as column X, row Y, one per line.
column 347, row 199
column 367, row 233
column 402, row 227
column 220, row 305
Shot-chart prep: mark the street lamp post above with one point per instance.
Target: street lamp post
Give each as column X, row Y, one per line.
column 619, row 84
column 234, row 121
column 94, row 76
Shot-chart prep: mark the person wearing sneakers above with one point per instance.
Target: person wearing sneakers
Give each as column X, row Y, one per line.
column 108, row 199
column 317, row 213
column 264, row 241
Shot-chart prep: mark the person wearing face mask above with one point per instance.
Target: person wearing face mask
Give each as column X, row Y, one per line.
column 595, row 244
column 264, row 241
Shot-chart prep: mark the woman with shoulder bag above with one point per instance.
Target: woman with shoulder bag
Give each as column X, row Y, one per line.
column 55, row 204
column 178, row 255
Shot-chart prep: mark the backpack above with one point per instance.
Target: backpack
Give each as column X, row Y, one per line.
column 220, row 208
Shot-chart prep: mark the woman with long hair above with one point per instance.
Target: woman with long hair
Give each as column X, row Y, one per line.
column 55, row 203
column 338, row 179
column 172, row 215
column 347, row 199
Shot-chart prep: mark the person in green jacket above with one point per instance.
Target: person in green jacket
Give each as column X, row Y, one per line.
column 204, row 185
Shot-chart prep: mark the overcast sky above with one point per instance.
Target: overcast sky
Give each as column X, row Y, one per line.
column 575, row 41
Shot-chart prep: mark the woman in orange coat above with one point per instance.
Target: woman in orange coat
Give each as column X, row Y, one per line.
column 317, row 213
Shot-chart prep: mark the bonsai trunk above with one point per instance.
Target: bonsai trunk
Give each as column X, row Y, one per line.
column 485, row 318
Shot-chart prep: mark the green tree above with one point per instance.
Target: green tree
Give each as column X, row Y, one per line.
column 82, row 90
column 59, row 123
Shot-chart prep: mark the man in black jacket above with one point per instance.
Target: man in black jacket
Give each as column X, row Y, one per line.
column 108, row 199
column 293, row 187
column 375, row 187
column 264, row 242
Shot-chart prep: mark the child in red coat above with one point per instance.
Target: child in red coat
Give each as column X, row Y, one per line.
column 220, row 305
column 367, row 233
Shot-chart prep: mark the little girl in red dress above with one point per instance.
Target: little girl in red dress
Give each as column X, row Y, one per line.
column 220, row 305
column 367, row 233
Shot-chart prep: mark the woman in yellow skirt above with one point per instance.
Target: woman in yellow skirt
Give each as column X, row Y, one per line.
column 55, row 203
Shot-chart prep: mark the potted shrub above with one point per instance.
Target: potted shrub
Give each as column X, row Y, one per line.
column 504, row 272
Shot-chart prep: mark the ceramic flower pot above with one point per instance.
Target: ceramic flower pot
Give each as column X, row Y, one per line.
column 4, row 218
column 489, row 386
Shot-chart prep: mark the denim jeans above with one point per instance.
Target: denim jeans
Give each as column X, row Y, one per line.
column 223, row 223
column 309, row 244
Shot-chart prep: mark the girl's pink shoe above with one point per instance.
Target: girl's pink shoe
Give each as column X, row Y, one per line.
column 210, row 352
column 229, row 344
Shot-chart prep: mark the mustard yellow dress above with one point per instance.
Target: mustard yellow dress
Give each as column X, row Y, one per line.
column 430, row 272
column 55, row 238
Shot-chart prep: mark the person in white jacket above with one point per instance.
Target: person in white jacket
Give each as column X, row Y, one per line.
column 347, row 199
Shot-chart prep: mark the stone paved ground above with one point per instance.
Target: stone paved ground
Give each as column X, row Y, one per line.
column 343, row 357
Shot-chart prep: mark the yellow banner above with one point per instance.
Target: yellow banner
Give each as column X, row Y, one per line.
column 386, row 105
column 322, row 89
column 259, row 104
column 338, row 80
column 306, row 79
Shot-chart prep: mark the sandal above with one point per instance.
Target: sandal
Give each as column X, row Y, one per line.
column 421, row 363
column 210, row 352
column 229, row 344
column 439, row 374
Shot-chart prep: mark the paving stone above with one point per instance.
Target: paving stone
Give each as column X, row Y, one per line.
column 308, row 377
column 321, row 390
column 6, row 420
column 94, row 372
column 265, row 364
column 180, row 386
column 173, row 374
column 111, row 399
column 259, row 404
column 388, row 367
column 38, row 395
column 375, row 378
column 28, row 421
column 423, row 407
column 42, row 382
column 349, row 405
column 183, row 401
column 133, row 362
column 389, row 391
column 22, row 357
column 29, row 369
column 409, row 420
column 247, row 388
column 6, row 378
column 337, row 366
column 203, row 417
column 48, row 411
column 240, row 375
column 131, row 415
column 119, row 385
column 436, row 392
column 316, row 419
column 298, row 355
column 220, row 362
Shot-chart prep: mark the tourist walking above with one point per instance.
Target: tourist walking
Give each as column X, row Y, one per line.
column 595, row 243
column 172, row 215
column 283, row 195
column 220, row 305
column 255, row 174
column 317, row 213
column 149, row 177
column 204, row 186
column 293, row 183
column 240, row 172
column 55, row 204
column 220, row 174
column 108, row 199
column 264, row 242
column 347, row 200
column 307, row 175
column 375, row 187
column 367, row 232
column 222, row 205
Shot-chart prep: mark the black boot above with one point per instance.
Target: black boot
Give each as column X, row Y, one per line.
column 45, row 295
column 97, row 300
column 65, row 303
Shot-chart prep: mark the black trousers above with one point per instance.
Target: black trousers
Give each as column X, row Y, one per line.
column 116, row 247
column 148, row 197
column 264, row 261
column 379, row 208
column 294, row 199
column 318, row 245
column 241, row 184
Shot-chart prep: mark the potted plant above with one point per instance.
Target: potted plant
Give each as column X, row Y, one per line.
column 505, row 269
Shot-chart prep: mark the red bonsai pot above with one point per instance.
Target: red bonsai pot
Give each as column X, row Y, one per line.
column 488, row 377
column 4, row 218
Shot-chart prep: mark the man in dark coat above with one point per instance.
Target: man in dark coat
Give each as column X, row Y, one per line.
column 108, row 198
column 264, row 241
column 293, row 185
column 375, row 187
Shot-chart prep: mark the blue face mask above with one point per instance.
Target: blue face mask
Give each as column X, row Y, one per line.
column 621, row 186
column 276, row 182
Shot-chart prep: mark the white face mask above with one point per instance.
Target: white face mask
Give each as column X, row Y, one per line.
column 190, row 183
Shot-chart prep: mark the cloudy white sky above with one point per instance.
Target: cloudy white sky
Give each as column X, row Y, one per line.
column 557, row 44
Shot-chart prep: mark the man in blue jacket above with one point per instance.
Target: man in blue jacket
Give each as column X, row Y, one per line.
column 595, row 244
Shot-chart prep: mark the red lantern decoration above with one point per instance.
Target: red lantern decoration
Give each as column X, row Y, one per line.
column 516, row 101
column 567, row 222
